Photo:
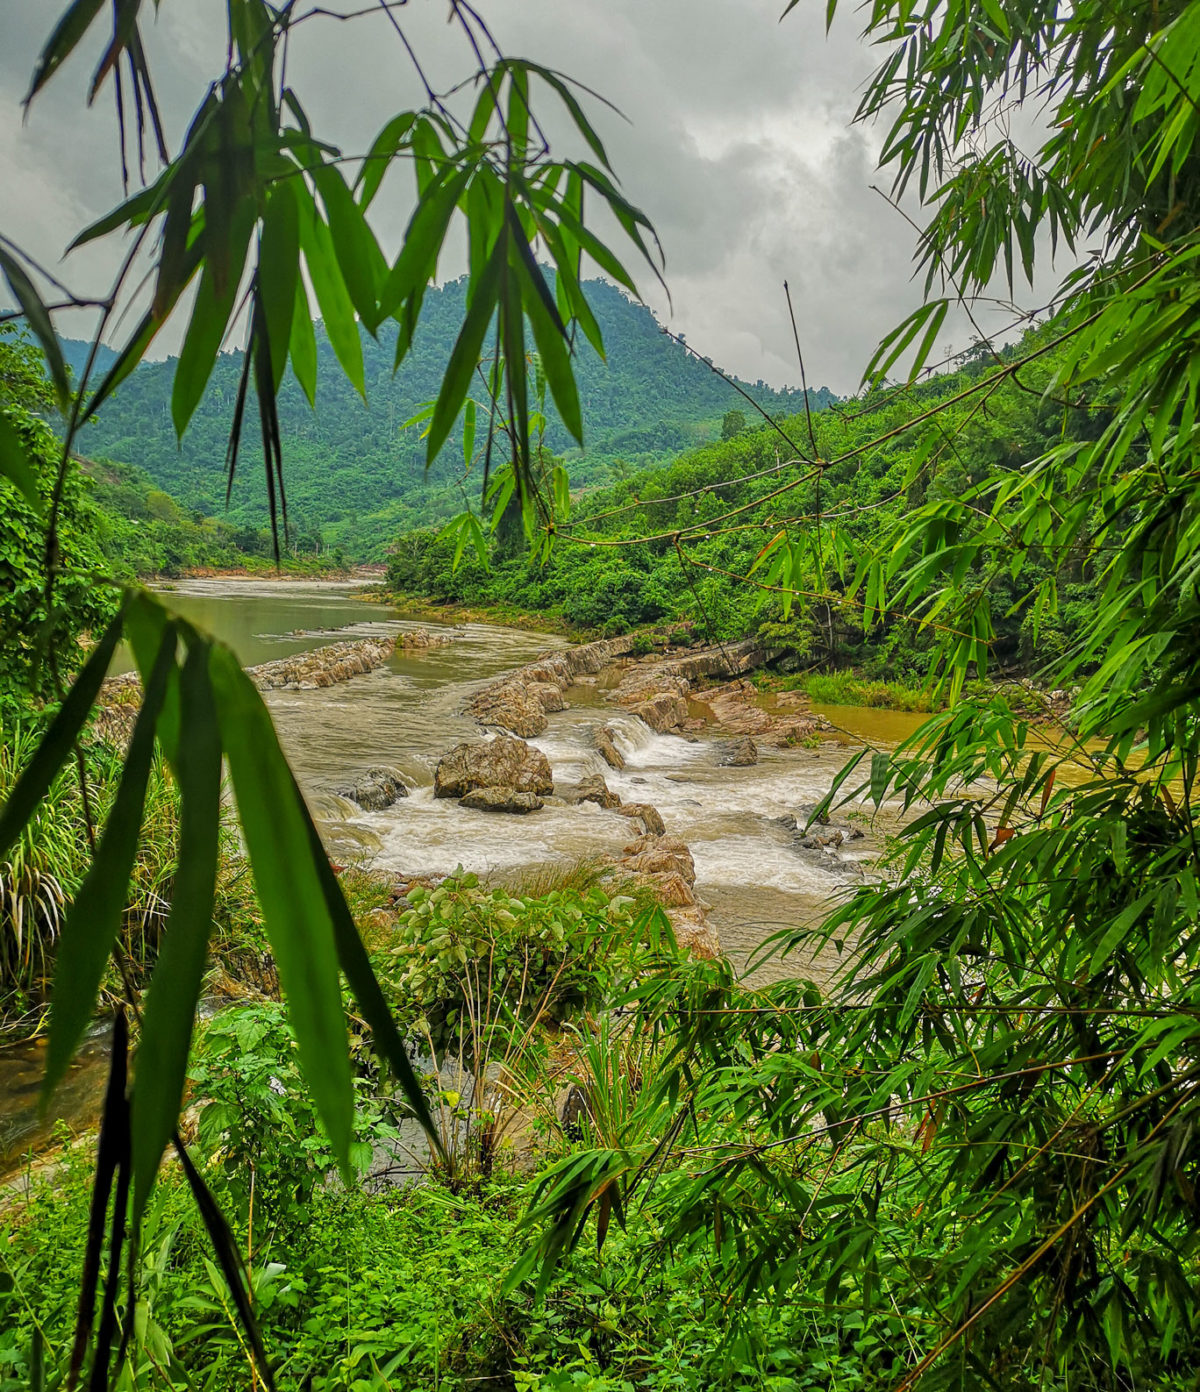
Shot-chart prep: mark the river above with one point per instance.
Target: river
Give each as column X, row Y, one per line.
column 408, row 713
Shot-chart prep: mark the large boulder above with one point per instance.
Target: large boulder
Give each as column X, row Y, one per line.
column 663, row 712
column 501, row 800
column 378, row 788
column 606, row 747
column 503, row 762
column 509, row 706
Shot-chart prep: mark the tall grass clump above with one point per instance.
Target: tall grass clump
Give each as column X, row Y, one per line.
column 47, row 863
column 846, row 689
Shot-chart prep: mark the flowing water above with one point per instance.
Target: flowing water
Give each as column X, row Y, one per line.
column 408, row 713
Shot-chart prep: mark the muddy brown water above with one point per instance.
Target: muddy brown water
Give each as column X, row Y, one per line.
column 409, row 712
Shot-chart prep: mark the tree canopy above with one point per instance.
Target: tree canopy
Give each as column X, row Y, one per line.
column 983, row 1139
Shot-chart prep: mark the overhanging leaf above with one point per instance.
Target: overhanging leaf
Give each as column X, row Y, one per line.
column 94, row 918
column 58, row 740
column 175, row 986
column 296, row 915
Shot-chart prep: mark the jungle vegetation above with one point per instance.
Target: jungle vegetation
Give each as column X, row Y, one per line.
column 971, row 1162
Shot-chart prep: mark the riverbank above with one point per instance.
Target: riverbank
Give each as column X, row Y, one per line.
column 422, row 607
column 291, row 568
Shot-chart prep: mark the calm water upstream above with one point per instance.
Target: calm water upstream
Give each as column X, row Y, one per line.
column 409, row 713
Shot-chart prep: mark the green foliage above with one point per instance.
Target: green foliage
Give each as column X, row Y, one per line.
column 732, row 423
column 142, row 531
column 981, row 1137
column 36, row 639
column 741, row 567
column 45, row 866
column 257, row 1122
column 475, row 965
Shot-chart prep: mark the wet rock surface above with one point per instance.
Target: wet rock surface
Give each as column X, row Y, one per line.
column 606, row 747
column 414, row 639
column 378, row 788
column 519, row 701
column 741, row 753
column 501, row 800
column 503, row 762
column 663, row 712
column 336, row 662
column 511, row 706
column 121, row 696
column 593, row 789
column 819, row 843
column 649, row 817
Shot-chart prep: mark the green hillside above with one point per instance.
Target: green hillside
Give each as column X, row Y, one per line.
column 603, row 578
column 352, row 470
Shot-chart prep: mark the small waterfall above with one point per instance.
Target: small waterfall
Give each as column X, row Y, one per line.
column 630, row 733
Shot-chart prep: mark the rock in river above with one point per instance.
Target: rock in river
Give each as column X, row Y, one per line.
column 510, row 705
column 663, row 711
column 650, row 817
column 378, row 788
column 740, row 753
column 594, row 789
column 607, row 749
column 503, row 762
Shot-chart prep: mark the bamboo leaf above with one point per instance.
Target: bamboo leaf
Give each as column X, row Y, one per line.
column 297, row 917
column 94, row 918
column 360, row 977
column 175, row 987
column 279, row 272
column 75, row 22
column 465, row 354
column 423, row 239
column 304, row 345
column 14, row 464
column 57, row 742
column 211, row 314
column 37, row 316
column 337, row 311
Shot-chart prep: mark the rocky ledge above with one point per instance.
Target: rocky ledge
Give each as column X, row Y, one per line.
column 519, row 702
column 672, row 695
column 305, row 671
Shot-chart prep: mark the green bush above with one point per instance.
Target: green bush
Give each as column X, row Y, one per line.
column 470, row 962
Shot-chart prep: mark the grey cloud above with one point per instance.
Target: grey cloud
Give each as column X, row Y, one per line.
column 738, row 144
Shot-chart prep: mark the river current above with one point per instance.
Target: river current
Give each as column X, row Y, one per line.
column 408, row 713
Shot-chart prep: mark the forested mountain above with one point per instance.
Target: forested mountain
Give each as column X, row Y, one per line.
column 352, row 469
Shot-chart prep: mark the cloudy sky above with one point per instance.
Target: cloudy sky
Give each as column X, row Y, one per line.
column 738, row 144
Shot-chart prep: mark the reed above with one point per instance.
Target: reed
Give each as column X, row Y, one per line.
column 46, row 865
